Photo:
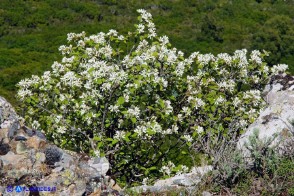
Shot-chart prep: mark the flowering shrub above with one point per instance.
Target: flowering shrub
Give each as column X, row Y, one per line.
column 134, row 98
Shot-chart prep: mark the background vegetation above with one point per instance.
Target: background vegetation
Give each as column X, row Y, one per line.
column 32, row 30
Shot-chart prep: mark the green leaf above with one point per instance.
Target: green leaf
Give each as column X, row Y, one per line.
column 114, row 141
column 153, row 168
column 134, row 120
column 161, row 103
column 96, row 138
column 184, row 152
column 150, row 131
column 213, row 108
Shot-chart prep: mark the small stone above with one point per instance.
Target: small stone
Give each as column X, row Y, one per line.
column 205, row 193
column 13, row 129
column 35, row 142
column 53, row 155
column 20, row 138
column 100, row 164
column 21, row 148
column 28, row 131
column 116, row 187
column 40, row 135
column 58, row 169
column 3, row 133
column 66, row 161
column 4, row 148
column 96, row 193
column 40, row 157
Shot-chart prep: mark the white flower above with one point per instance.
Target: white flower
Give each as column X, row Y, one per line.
column 199, row 129
column 127, row 98
column 112, row 32
column 186, row 111
column 97, row 153
column 145, row 181
column 174, row 128
column 255, row 79
column 168, row 108
column 81, row 43
column 134, row 112
column 106, row 51
column 70, row 79
column 164, row 40
column 140, row 130
column 167, row 132
column 99, row 38
column 168, row 168
column 226, row 57
column 236, row 102
column 46, row 76
column 68, row 60
column 24, row 93
column 105, row 86
column 121, row 37
column 242, row 123
column 188, row 138
column 57, row 68
column 240, row 55
column 119, row 135
column 114, row 108
column 219, row 100
column 36, row 125
column 58, row 118
column 276, row 69
column 198, row 103
column 180, row 69
column 65, row 49
column 61, row 129
column 180, row 117
column 255, row 56
column 140, row 28
column 205, row 58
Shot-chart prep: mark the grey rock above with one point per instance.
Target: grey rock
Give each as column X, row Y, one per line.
column 206, row 193
column 100, row 164
column 40, row 157
column 21, row 148
column 57, row 169
column 13, row 129
column 28, row 131
column 154, row 189
column 40, row 135
column 187, row 180
column 66, row 161
column 4, row 148
column 53, row 155
column 276, row 118
column 20, row 138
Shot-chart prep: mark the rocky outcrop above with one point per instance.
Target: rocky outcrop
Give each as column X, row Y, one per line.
column 278, row 117
column 31, row 165
column 179, row 182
